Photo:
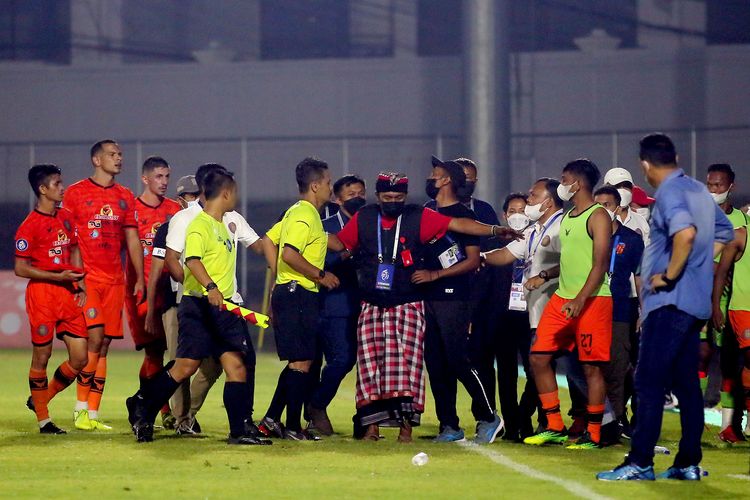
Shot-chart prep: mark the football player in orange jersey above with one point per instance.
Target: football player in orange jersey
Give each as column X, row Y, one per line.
column 47, row 254
column 152, row 209
column 104, row 216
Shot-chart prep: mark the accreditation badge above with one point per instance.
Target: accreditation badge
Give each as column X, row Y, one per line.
column 517, row 301
column 384, row 280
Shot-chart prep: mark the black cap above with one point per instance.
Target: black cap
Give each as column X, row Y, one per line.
column 454, row 169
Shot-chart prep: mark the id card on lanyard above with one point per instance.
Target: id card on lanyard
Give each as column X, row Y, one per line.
column 517, row 300
column 384, row 279
column 612, row 260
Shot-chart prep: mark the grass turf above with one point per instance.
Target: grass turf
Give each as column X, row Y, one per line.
column 112, row 465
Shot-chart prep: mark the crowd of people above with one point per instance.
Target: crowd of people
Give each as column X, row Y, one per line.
column 629, row 296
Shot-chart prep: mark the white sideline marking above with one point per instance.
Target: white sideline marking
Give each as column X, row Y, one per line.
column 745, row 477
column 575, row 488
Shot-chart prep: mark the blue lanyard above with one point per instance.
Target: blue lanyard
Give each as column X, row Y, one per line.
column 395, row 239
column 614, row 254
column 541, row 236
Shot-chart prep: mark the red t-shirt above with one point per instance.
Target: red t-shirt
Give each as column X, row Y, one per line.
column 100, row 215
column 149, row 220
column 47, row 240
column 432, row 225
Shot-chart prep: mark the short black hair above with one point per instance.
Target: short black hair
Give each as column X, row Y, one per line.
column 39, row 175
column 725, row 168
column 514, row 196
column 658, row 149
column 99, row 146
column 585, row 168
column 216, row 182
column 610, row 190
column 347, row 180
column 153, row 162
column 308, row 171
column 466, row 162
column 203, row 171
column 550, row 185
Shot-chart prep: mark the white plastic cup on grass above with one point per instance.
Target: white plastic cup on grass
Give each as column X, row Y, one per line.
column 420, row 459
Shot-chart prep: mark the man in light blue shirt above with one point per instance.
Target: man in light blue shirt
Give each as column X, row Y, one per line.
column 687, row 230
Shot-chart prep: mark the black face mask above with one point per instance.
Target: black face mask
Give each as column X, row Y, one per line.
column 392, row 209
column 465, row 192
column 354, row 204
column 431, row 189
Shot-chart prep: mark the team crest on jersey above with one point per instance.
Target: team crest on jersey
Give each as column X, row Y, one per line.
column 123, row 204
column 22, row 245
column 42, row 330
column 91, row 312
column 66, row 224
column 106, row 213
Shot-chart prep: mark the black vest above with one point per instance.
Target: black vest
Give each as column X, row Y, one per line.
column 402, row 291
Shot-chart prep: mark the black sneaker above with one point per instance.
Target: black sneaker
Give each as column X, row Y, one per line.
column 195, row 425
column 610, row 433
column 144, row 431
column 302, row 435
column 134, row 404
column 248, row 440
column 51, row 428
column 271, row 428
column 30, row 404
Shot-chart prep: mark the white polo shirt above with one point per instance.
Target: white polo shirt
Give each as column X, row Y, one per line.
column 637, row 223
column 540, row 251
column 235, row 223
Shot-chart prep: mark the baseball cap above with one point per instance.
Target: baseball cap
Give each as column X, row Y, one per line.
column 187, row 184
column 615, row 176
column 641, row 198
column 454, row 169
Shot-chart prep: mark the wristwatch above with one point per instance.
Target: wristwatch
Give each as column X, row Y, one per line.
column 670, row 282
column 321, row 274
column 211, row 286
column 544, row 275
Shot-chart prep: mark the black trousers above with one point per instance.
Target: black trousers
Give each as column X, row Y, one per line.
column 447, row 360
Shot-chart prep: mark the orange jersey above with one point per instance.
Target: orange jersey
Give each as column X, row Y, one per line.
column 47, row 240
column 149, row 219
column 100, row 215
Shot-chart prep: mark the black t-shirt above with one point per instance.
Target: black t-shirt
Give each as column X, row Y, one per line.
column 159, row 251
column 454, row 287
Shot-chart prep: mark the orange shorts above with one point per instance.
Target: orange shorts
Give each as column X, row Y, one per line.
column 104, row 303
column 137, row 322
column 591, row 331
column 741, row 325
column 52, row 308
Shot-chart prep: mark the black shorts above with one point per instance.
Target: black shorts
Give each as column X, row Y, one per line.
column 295, row 322
column 205, row 330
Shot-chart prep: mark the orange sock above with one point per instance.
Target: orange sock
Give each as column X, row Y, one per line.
column 551, row 405
column 38, row 386
column 64, row 376
column 85, row 377
column 97, row 385
column 595, row 416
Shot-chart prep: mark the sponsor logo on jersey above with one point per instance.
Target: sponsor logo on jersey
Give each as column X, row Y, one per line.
column 22, row 245
column 94, row 234
column 62, row 238
column 54, row 251
column 106, row 213
column 94, row 224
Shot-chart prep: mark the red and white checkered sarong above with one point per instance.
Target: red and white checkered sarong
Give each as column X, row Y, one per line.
column 390, row 353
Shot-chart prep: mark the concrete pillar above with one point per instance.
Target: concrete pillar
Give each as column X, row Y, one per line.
column 486, row 60
column 688, row 15
column 96, row 26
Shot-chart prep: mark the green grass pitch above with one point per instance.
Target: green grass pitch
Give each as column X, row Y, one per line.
column 113, row 465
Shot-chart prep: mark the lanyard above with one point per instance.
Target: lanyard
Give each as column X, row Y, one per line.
column 614, row 254
column 395, row 239
column 541, row 236
column 341, row 220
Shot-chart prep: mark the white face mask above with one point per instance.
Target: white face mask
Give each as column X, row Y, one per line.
column 534, row 212
column 192, row 203
column 564, row 192
column 644, row 212
column 720, row 198
column 626, row 197
column 519, row 222
column 612, row 214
